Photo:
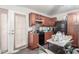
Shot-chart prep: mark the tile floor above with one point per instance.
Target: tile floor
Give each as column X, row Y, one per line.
column 28, row 51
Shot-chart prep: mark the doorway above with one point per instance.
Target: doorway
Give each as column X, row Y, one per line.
column 20, row 31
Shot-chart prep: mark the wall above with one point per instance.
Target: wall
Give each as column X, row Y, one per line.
column 11, row 11
column 61, row 16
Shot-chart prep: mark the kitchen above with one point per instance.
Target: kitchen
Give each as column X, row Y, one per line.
column 37, row 30
column 42, row 27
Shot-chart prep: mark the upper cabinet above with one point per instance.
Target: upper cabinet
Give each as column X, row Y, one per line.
column 52, row 21
column 46, row 21
column 33, row 18
column 49, row 21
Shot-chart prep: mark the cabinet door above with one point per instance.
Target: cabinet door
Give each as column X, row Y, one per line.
column 78, row 28
column 48, row 35
column 46, row 22
column 70, row 24
column 32, row 19
column 33, row 40
column 72, row 27
column 30, row 40
column 49, row 22
column 53, row 21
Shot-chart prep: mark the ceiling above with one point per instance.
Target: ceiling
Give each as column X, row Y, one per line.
column 52, row 9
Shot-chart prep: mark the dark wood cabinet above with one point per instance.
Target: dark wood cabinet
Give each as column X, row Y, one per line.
column 46, row 21
column 53, row 21
column 48, row 35
column 33, row 40
column 33, row 18
column 49, row 21
column 73, row 27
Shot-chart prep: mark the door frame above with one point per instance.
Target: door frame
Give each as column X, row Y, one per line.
column 4, row 11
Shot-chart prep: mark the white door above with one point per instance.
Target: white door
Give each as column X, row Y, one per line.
column 3, row 30
column 20, row 33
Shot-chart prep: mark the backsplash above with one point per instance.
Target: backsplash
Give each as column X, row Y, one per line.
column 45, row 29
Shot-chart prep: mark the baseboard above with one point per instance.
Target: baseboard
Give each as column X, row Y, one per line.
column 14, row 51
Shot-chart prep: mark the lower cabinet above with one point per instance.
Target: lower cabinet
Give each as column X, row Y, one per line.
column 48, row 35
column 33, row 40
